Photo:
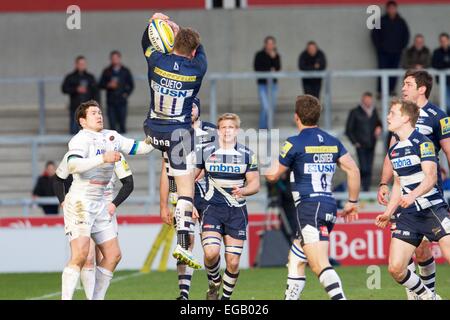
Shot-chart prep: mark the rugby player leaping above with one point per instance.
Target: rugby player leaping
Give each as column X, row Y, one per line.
column 175, row 80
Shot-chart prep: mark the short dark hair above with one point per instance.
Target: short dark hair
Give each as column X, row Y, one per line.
column 419, row 35
column 308, row 109
column 80, row 57
column 422, row 78
column 391, row 3
column 269, row 38
column 115, row 52
column 80, row 112
column 49, row 163
column 311, row 43
column 444, row 34
column 408, row 108
column 367, row 94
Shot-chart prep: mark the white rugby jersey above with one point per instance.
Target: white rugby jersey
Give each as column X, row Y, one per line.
column 121, row 170
column 93, row 183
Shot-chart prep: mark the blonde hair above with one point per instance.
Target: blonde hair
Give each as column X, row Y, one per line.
column 229, row 116
column 407, row 108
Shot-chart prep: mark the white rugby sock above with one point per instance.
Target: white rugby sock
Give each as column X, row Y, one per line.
column 102, row 279
column 415, row 284
column 294, row 287
column 70, row 278
column 295, row 282
column 88, row 281
column 184, row 279
column 427, row 272
column 332, row 284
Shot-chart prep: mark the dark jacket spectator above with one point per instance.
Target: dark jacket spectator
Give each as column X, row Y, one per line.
column 267, row 60
column 389, row 41
column 418, row 56
column 441, row 56
column 363, row 129
column 81, row 86
column 44, row 187
column 118, row 82
column 312, row 59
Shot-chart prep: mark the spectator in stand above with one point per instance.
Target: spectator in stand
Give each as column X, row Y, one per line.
column 118, row 82
column 267, row 60
column 44, row 187
column 441, row 61
column 418, row 56
column 389, row 41
column 363, row 129
column 312, row 59
column 81, row 86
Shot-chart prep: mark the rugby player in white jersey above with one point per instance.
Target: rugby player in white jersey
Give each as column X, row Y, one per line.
column 92, row 154
column 123, row 173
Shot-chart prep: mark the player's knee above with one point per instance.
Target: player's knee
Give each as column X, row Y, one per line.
column 232, row 263
column 211, row 252
column 396, row 271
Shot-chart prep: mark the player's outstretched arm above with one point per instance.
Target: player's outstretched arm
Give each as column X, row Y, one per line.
column 77, row 164
column 275, row 172
column 429, row 169
column 382, row 220
column 348, row 165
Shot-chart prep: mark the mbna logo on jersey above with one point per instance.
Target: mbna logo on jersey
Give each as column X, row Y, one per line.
column 224, row 168
column 401, row 163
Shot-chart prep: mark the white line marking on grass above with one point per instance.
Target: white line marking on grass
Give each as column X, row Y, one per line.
column 54, row 294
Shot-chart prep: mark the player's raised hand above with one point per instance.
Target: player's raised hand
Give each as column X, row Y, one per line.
column 111, row 209
column 350, row 212
column 159, row 15
column 111, row 156
column 383, row 195
column 406, row 201
column 382, row 220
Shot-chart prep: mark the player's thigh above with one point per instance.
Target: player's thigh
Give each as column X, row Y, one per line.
column 400, row 252
column 110, row 249
column 79, row 216
column 80, row 247
column 423, row 251
column 317, row 255
column 233, row 250
column 211, row 242
column 444, row 244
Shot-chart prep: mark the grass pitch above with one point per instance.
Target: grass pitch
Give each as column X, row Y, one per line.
column 259, row 284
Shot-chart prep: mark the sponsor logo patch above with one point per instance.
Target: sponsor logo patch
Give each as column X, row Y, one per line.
column 321, row 149
column 427, row 150
column 445, row 125
column 285, row 148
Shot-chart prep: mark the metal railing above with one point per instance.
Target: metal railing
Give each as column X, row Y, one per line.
column 213, row 78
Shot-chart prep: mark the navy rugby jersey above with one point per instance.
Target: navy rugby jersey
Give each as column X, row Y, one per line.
column 174, row 82
column 225, row 169
column 312, row 156
column 406, row 158
column 434, row 123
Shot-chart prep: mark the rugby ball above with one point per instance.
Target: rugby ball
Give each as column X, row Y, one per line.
column 161, row 35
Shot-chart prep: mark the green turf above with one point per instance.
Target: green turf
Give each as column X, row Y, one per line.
column 265, row 283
